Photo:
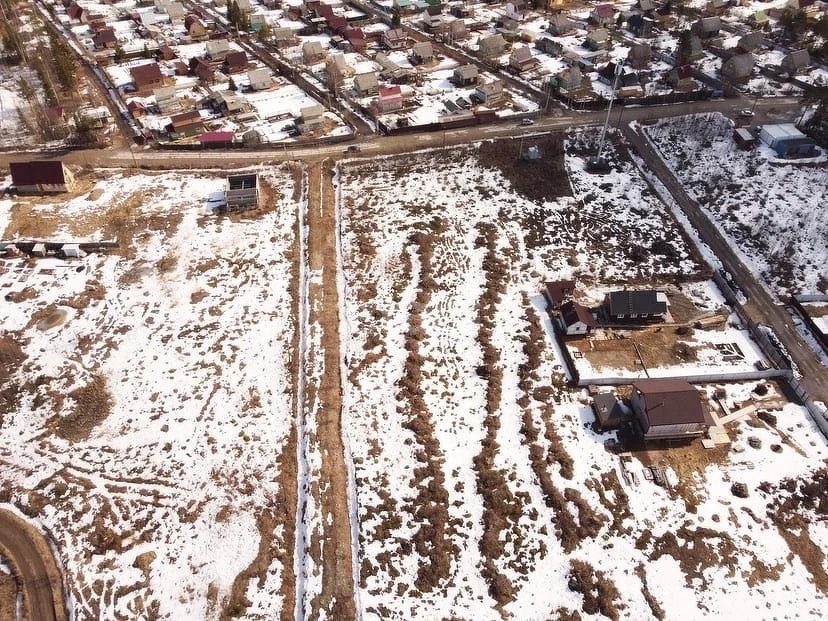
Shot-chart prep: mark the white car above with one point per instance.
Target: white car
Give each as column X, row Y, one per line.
column 746, row 114
column 527, row 122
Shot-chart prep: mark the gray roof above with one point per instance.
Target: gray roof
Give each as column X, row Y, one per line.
column 635, row 303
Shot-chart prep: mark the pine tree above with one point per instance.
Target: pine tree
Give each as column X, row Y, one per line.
column 119, row 54
column 64, row 62
column 265, row 33
column 684, row 50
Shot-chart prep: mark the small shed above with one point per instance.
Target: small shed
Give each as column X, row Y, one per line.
column 71, row 251
column 786, row 140
column 39, row 249
column 610, row 412
column 744, row 139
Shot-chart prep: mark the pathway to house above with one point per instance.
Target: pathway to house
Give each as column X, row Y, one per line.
column 761, row 306
column 330, row 546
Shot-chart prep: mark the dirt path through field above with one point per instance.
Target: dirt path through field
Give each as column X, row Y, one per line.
column 331, row 548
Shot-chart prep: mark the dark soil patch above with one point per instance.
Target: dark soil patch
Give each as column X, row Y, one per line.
column 29, row 293
column 544, row 179
column 93, row 403
column 598, row 590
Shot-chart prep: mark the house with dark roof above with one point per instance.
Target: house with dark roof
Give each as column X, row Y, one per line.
column 636, row 305
column 706, row 27
column 610, row 412
column 146, row 77
column 639, row 56
column 557, row 292
column 738, row 68
column 235, row 62
column 640, row 25
column 104, row 39
column 668, row 409
column 575, row 319
column 41, row 177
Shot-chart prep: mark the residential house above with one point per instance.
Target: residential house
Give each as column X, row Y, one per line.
column 217, row 49
column 681, row 78
column 455, row 30
column 489, row 92
column 186, row 123
column 432, row 17
column 230, row 103
column 104, row 39
column 717, row 7
column 195, row 28
column 752, row 41
column 517, row 9
column 235, row 62
column 180, row 67
column 241, row 192
column 602, row 15
column 491, row 46
column 560, row 25
column 570, row 78
column 645, row 305
column 640, row 25
column 146, row 77
column 356, row 38
column 41, row 177
column 795, row 62
column 366, row 84
column 639, row 56
column 737, row 68
column 597, row 39
column 575, row 319
column 75, row 11
column 202, row 70
column 312, row 52
column 260, row 79
column 175, row 11
column 549, row 46
column 394, row 39
column 557, row 292
column 310, row 118
column 257, row 21
column 166, row 98
column 405, row 6
column 165, row 52
column 136, row 108
column 390, row 98
column 521, row 58
column 707, row 27
column 217, row 140
column 283, row 37
column 610, row 412
column 422, row 52
column 787, row 140
column 668, row 409
column 465, row 75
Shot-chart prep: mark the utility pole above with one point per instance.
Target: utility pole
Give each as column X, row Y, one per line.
column 597, row 163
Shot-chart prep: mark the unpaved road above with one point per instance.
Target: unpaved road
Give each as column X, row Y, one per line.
column 330, row 548
column 28, row 553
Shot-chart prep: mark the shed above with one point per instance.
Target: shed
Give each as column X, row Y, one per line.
column 610, row 412
column 216, row 139
column 668, row 409
column 786, row 139
column 743, row 138
column 39, row 249
column 71, row 251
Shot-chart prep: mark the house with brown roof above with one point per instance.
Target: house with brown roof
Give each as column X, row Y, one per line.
column 356, row 37
column 668, row 409
column 104, row 39
column 560, row 25
column 235, row 62
column 74, row 11
column 165, row 52
column 195, row 28
column 575, row 319
column 187, row 123
column 41, row 177
column 146, row 77
column 394, row 39
column 557, row 292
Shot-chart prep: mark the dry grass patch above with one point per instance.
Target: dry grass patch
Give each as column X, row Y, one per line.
column 92, row 405
column 30, row 220
column 28, row 293
column 598, row 590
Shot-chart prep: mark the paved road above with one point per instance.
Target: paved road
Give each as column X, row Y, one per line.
column 762, row 307
column 27, row 551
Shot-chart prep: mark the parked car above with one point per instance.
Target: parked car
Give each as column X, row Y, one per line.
column 746, row 114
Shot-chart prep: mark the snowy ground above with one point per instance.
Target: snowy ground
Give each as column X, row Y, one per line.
column 482, row 490
column 770, row 208
column 153, row 395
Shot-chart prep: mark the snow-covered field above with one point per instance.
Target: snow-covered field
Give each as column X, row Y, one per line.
column 772, row 209
column 152, row 402
column 482, row 491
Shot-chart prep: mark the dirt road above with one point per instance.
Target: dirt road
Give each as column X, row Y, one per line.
column 30, row 557
column 330, row 544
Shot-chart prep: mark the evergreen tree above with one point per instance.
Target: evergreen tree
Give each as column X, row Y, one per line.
column 265, row 33
column 146, row 52
column 231, row 84
column 685, row 48
column 119, row 54
column 64, row 61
